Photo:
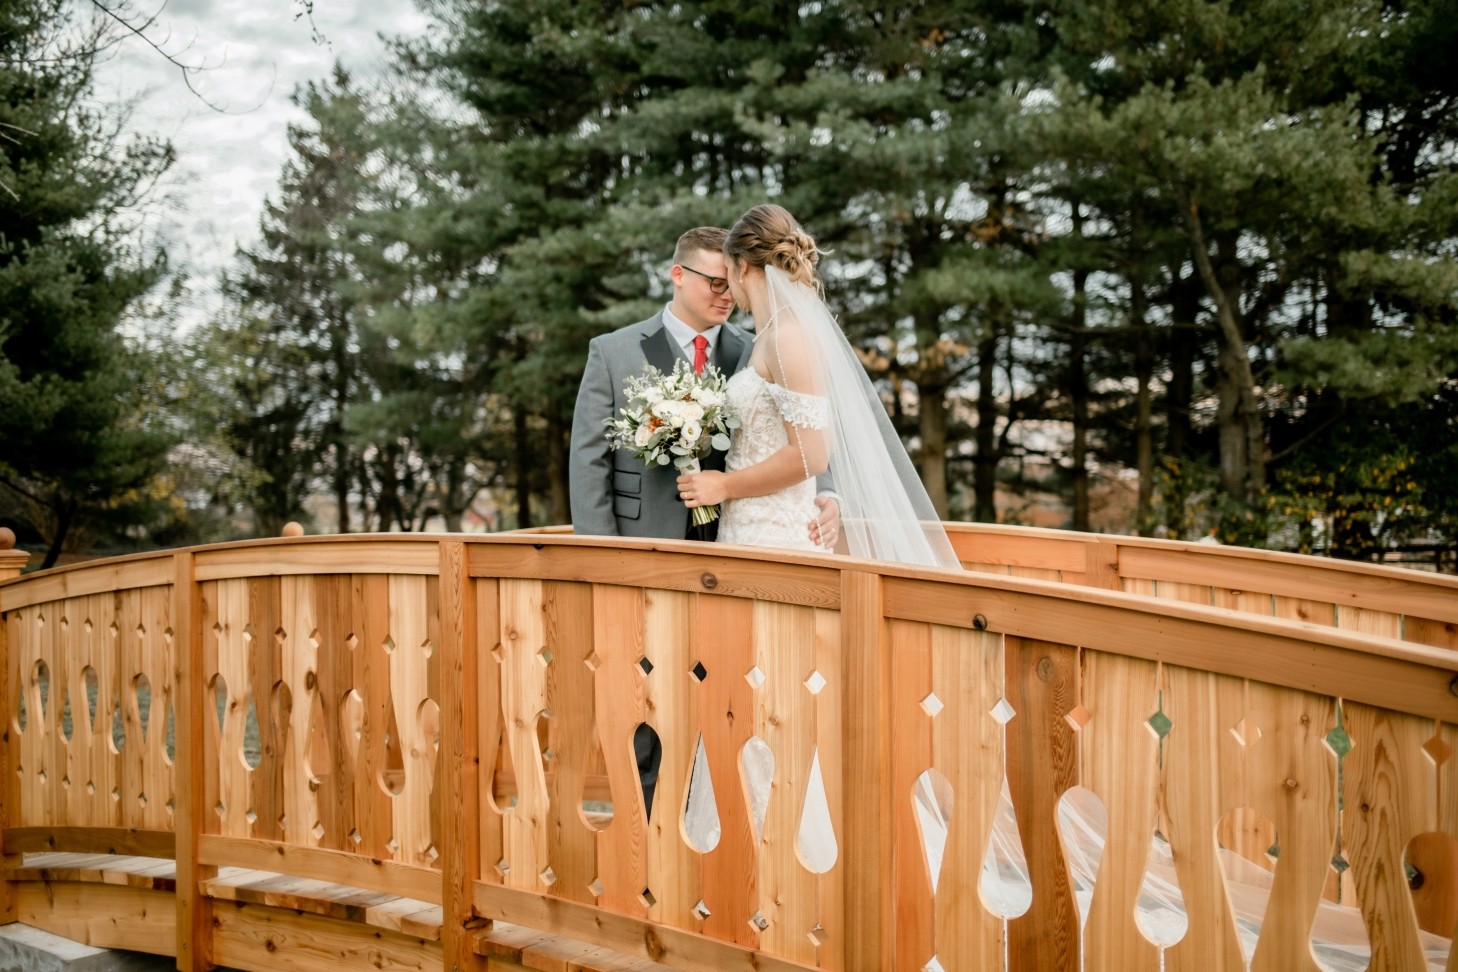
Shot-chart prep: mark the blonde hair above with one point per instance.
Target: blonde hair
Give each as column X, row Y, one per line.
column 768, row 235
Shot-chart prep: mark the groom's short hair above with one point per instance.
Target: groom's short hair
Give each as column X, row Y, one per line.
column 710, row 238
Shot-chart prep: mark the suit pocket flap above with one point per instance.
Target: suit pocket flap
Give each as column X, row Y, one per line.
column 627, row 507
column 627, row 482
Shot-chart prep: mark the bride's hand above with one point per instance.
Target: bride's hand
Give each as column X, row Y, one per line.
column 703, row 489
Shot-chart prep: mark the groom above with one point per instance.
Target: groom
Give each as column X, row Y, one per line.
column 613, row 494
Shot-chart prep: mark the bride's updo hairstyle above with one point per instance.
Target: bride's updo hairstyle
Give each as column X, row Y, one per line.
column 768, row 235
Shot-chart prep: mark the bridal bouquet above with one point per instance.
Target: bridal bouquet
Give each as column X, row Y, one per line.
column 678, row 418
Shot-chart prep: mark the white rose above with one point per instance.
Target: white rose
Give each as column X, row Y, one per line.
column 692, row 411
column 643, row 436
column 665, row 409
column 708, row 398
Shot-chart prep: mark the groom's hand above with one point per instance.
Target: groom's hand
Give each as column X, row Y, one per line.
column 825, row 528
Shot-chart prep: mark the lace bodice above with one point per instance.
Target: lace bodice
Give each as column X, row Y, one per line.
column 779, row 519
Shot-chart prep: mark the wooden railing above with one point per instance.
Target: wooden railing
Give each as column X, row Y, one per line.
column 448, row 722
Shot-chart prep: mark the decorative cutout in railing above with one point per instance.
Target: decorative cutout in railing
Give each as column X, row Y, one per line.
column 861, row 767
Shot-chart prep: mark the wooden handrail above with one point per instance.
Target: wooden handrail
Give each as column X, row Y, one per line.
column 431, row 713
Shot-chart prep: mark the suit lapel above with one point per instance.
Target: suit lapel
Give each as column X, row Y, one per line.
column 730, row 350
column 658, row 348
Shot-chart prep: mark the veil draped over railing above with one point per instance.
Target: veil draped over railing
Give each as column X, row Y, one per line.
column 885, row 511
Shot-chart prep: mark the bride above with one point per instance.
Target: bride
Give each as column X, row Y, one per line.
column 805, row 405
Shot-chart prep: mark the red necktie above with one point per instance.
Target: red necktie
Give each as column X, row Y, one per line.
column 701, row 353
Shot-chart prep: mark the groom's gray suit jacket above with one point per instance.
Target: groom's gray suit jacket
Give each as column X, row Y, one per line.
column 613, row 493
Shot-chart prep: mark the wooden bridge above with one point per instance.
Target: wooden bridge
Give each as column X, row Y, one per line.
column 415, row 752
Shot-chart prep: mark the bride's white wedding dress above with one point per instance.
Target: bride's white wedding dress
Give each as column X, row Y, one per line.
column 820, row 386
column 779, row 519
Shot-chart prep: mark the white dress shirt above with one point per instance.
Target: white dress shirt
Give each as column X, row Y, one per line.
column 683, row 335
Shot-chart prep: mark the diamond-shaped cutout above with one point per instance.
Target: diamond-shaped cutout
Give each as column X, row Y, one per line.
column 1159, row 724
column 115, row 629
column 356, row 836
column 647, row 898
column 388, row 644
column 220, row 809
column 1246, row 732
column 702, row 910
column 393, row 846
column 1003, row 712
column 544, row 655
column 592, row 661
column 502, row 867
column 698, row 673
column 280, row 636
column 314, row 641
column 645, row 666
column 167, row 635
column 1438, row 750
column 66, row 782
column 142, row 631
column 1339, row 864
column 283, row 822
column 86, row 625
column 251, row 816
column 932, row 705
column 427, row 648
column 758, row 921
column 41, row 776
column 933, row 966
column 431, row 854
column 90, row 788
column 498, row 652
column 595, row 888
column 171, row 805
column 817, row 935
column 218, row 629
column 351, row 641
column 548, row 876
column 1077, row 718
column 317, row 831
column 247, row 632
column 1339, row 742
column 754, row 677
column 815, row 682
column 142, row 800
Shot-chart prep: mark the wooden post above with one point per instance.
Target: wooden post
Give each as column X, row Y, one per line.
column 293, row 528
column 869, row 854
column 460, row 764
column 12, row 561
column 193, row 914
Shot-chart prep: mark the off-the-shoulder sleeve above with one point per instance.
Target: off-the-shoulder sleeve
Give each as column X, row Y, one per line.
column 804, row 411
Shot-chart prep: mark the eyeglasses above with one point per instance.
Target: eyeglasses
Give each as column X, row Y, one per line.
column 717, row 285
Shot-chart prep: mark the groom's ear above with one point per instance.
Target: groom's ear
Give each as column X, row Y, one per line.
column 675, row 273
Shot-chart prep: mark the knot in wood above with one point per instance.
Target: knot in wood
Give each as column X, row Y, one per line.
column 1291, row 783
column 1045, row 669
column 708, row 580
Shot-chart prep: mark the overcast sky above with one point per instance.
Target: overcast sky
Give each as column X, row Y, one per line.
column 257, row 52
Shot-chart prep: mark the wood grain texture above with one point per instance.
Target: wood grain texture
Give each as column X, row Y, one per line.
column 460, row 654
column 1042, row 764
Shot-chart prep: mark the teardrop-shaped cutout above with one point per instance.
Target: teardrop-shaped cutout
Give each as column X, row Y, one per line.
column 392, row 771
column 91, row 685
column 1006, row 887
column 931, row 803
column 67, row 728
column 1431, row 864
column 142, row 698
column 504, row 789
column 252, row 738
column 318, row 761
column 1249, row 871
column 1160, row 910
column 219, row 687
column 351, row 724
column 597, row 797
column 118, row 730
column 757, row 768
column 1083, row 827
column 427, row 734
column 171, row 747
column 647, row 755
column 701, row 827
column 21, row 716
column 40, row 675
column 816, row 841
